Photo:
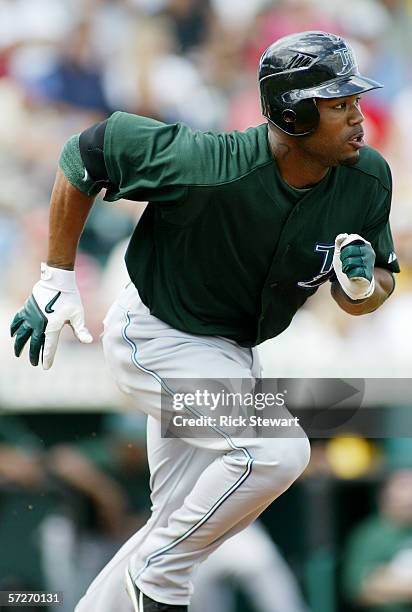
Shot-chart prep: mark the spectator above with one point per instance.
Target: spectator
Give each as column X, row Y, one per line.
column 75, row 78
column 378, row 559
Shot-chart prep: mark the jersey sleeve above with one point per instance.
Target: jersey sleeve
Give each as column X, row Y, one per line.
column 150, row 160
column 382, row 242
column 378, row 231
column 147, row 159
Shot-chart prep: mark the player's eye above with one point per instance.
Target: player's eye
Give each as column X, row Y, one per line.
column 344, row 104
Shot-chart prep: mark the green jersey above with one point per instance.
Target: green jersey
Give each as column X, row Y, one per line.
column 225, row 246
column 375, row 542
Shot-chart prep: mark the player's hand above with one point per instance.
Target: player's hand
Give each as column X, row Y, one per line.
column 354, row 262
column 55, row 300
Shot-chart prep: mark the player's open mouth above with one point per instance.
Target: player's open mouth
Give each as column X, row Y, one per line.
column 357, row 142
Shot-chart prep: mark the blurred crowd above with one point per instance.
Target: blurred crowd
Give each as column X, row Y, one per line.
column 65, row 64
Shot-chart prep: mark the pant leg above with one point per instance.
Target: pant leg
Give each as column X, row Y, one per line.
column 230, row 492
column 168, row 459
column 240, row 478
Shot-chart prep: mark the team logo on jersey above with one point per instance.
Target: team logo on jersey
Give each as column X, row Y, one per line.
column 347, row 60
column 326, row 272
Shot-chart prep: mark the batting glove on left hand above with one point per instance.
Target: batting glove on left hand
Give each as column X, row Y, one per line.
column 55, row 301
column 354, row 262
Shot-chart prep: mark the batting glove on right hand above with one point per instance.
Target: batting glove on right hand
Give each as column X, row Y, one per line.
column 354, row 262
column 55, row 301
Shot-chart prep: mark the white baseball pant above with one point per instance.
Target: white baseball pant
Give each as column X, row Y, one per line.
column 203, row 490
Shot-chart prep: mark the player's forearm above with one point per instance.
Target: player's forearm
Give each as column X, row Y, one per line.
column 385, row 587
column 69, row 209
column 384, row 285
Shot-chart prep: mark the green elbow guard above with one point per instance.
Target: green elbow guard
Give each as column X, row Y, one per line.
column 72, row 166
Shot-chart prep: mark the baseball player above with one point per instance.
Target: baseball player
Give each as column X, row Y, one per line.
column 239, row 231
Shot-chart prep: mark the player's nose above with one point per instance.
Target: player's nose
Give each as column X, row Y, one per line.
column 356, row 115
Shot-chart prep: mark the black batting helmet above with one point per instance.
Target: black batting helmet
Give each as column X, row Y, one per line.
column 299, row 68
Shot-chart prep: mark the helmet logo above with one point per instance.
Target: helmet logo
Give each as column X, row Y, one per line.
column 347, row 60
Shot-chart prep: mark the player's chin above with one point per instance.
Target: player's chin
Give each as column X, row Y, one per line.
column 350, row 160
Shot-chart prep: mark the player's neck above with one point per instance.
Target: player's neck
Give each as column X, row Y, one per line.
column 295, row 166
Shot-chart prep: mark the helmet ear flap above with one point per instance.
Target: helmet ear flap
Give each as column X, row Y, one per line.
column 298, row 119
column 307, row 116
column 289, row 115
column 295, row 118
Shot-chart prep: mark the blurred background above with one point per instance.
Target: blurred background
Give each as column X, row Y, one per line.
column 73, row 474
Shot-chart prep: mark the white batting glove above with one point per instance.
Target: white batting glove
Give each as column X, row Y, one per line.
column 55, row 301
column 354, row 262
